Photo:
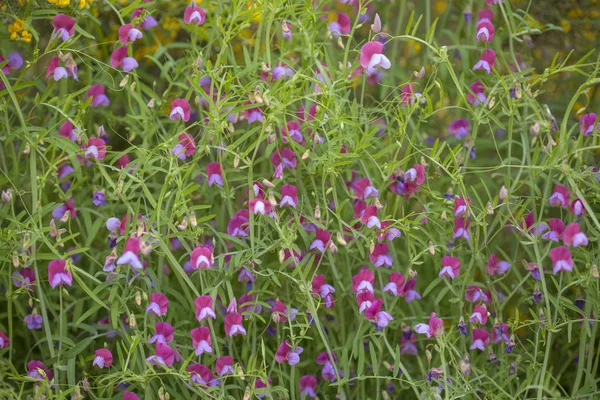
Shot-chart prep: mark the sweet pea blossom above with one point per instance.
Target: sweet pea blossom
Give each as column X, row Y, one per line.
column 574, row 237
column 224, row 365
column 364, row 189
column 180, row 110
column 395, row 284
column 99, row 97
column 204, row 308
column 485, row 28
column 233, row 325
column 480, row 315
column 308, row 385
column 375, row 315
column 476, row 94
column 4, row 340
column 33, row 321
column 64, row 26
column 55, row 71
column 434, row 328
column 369, row 217
column 557, row 227
column 320, row 288
column 194, row 14
column 95, row 149
column 460, row 206
column 24, row 277
column 131, row 254
column 371, row 57
column 328, row 371
column 387, row 232
column 37, row 370
column 461, row 228
column 119, row 58
column 285, row 352
column 474, row 294
column 58, row 274
column 202, row 375
column 163, row 333
column 127, row 33
column 341, row 26
column 380, row 256
column 560, row 197
column 363, row 281
column 459, row 128
column 588, row 123
column 488, row 58
column 215, row 174
column 480, row 338
column 496, row 268
column 321, row 241
column 578, row 208
column 164, row 356
column 202, row 257
column 158, row 304
column 561, row 259
column 450, row 267
column 130, row 396
column 103, row 358
column 286, row 30
column 201, row 340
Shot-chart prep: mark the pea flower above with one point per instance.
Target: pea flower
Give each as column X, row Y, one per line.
column 95, row 149
column 224, row 365
column 375, row 315
column 485, row 28
column 474, row 294
column 371, row 57
column 99, row 97
column 458, row 128
column 103, row 358
column 164, row 356
column 320, row 288
column 286, row 30
column 363, row 281
column 380, row 256
column 560, row 197
column 488, row 58
column 578, row 208
column 24, row 277
column 58, row 274
column 434, row 328
column 476, row 94
column 387, row 232
column 37, row 370
column 328, row 371
column 341, row 26
column 480, row 315
column 557, row 227
column 4, row 340
column 370, row 218
column 308, row 385
column 480, row 338
column 587, row 123
column 33, row 321
column 204, row 308
column 321, row 241
column 215, row 174
column 233, row 325
column 460, row 206
column 131, row 254
column 202, row 257
column 574, row 237
column 55, row 71
column 158, row 304
column 395, row 284
column 285, row 352
column 496, row 268
column 201, row 375
column 163, row 333
column 194, row 14
column 450, row 267
column 67, row 208
column 364, row 189
column 64, row 26
column 180, row 110
column 201, row 340
column 561, row 259
column 127, row 33
column 119, row 59
column 461, row 228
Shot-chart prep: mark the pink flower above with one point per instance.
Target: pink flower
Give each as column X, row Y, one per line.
column 164, row 356
column 201, row 340
column 341, row 26
column 364, row 190
column 450, row 267
column 286, row 30
column 204, row 308
column 416, row 174
column 578, row 208
column 460, row 206
column 561, row 259
column 37, row 370
column 280, row 312
column 282, row 71
column 286, row 353
column 485, row 28
column 459, row 128
column 253, row 114
column 239, row 223
column 95, row 149
column 461, row 228
column 131, row 254
column 408, row 292
column 488, row 58
column 66, row 130
column 480, row 339
column 281, row 159
column 587, row 123
column 213, row 170
column 321, row 241
column 64, row 26
column 163, row 333
column 4, row 340
column 194, row 14
column 560, row 197
column 574, row 237
column 380, row 256
column 370, row 218
column 388, row 233
column 259, row 384
column 180, row 110
column 158, row 304
column 434, row 328
column 224, row 365
column 24, row 277
column 202, row 257
column 233, row 325
column 119, row 59
column 480, row 315
column 308, row 385
column 289, row 196
column 58, row 274
column 363, row 281
column 127, row 33
column 99, row 98
column 55, row 71
column 292, row 130
column 494, row 267
column 474, row 293
column 395, row 284
column 320, row 288
column 260, row 206
column 371, row 57
column 103, row 358
column 476, row 94
column 557, row 227
column 201, row 375
column 374, row 314
column 130, row 396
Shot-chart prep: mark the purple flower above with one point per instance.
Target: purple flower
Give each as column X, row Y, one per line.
column 99, row 200
column 33, row 321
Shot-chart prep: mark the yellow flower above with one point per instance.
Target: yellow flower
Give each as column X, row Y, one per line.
column 440, row 6
column 26, row 36
column 257, row 15
column 566, row 25
column 23, row 2
column 60, row 3
column 83, row 3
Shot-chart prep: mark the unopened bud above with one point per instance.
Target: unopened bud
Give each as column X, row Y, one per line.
column 340, row 239
column 431, row 248
column 27, row 149
column 15, row 259
column 132, row 323
column 236, row 161
column 490, row 208
column 444, row 217
column 138, row 298
column 305, row 155
column 503, row 195
column 193, row 219
column 150, row 104
column 7, row 195
column 183, row 225
column 268, row 183
column 317, row 212
column 595, row 273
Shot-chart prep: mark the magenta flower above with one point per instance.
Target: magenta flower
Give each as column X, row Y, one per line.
column 461, row 228
column 408, row 292
column 292, row 130
column 282, row 71
column 95, row 149
column 64, row 26
column 99, row 98
column 149, row 21
column 131, row 254
column 320, row 288
column 164, row 356
column 375, row 315
column 186, row 146
column 127, row 33
column 280, row 312
column 66, row 130
column 450, row 267
column 434, row 328
column 233, row 325
column 328, row 371
column 557, row 227
column 480, row 338
column 460, row 206
column 55, row 71
column 363, row 281
column 561, row 259
column 488, row 58
column 253, row 114
column 259, row 384
column 364, row 190
column 286, row 30
column 588, row 123
column 163, row 333
column 68, row 207
column 180, row 110
column 321, row 241
column 380, row 256
column 395, row 284
column 202, row 257
column 239, row 224
column 474, row 294
column 485, row 28
column 214, row 172
column 578, row 208
column 202, row 375
column 4, row 340
column 371, row 57
column 286, row 353
column 560, row 197
column 58, row 274
column 494, row 267
column 370, row 218
column 308, row 385
column 459, row 128
column 119, row 59
column 260, row 206
column 194, row 14
column 130, row 396
column 158, row 304
column 224, row 365
column 204, row 308
column 341, row 26
column 574, row 237
column 476, row 94
column 281, row 159
column 364, row 300
column 480, row 315
column 37, row 370
column 416, row 174
column 201, row 340
column 387, row 232
column 289, row 196
column 103, row 358
column 24, row 277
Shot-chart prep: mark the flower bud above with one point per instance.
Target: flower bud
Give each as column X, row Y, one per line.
column 7, row 195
